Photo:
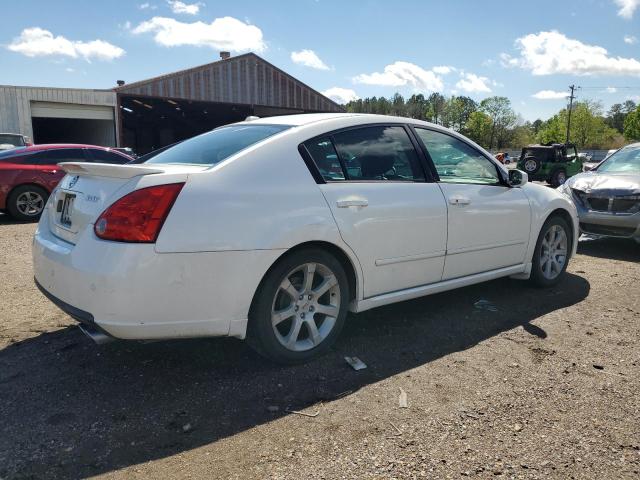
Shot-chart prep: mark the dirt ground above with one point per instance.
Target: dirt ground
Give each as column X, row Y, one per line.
column 544, row 385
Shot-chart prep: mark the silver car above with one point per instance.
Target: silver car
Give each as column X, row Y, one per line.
column 608, row 197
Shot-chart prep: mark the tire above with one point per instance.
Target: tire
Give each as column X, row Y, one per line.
column 282, row 295
column 531, row 165
column 27, row 202
column 548, row 266
column 558, row 178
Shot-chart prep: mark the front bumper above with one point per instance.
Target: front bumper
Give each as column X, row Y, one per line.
column 609, row 224
column 130, row 291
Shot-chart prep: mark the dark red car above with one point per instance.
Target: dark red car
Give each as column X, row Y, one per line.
column 29, row 174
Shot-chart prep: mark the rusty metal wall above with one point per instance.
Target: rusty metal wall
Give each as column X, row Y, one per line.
column 246, row 79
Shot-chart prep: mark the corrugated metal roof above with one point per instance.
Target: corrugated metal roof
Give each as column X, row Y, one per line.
column 246, row 79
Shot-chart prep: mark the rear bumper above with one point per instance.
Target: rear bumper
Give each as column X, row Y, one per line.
column 130, row 291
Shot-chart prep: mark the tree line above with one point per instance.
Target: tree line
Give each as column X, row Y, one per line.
column 495, row 125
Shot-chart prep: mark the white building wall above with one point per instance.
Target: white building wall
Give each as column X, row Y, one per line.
column 15, row 103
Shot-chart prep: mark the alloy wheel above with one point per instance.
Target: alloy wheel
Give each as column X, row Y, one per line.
column 305, row 307
column 30, row 203
column 553, row 254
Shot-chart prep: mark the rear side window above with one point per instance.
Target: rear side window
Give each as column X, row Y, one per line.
column 52, row 157
column 104, row 156
column 215, row 146
column 377, row 153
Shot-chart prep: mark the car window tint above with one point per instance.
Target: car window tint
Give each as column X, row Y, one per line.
column 326, row 159
column 104, row 156
column 457, row 162
column 378, row 153
column 52, row 157
column 213, row 147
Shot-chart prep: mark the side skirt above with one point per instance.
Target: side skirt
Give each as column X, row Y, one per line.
column 415, row 292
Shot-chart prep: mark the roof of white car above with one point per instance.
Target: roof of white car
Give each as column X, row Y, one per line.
column 307, row 118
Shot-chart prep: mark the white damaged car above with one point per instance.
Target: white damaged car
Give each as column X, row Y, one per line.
column 272, row 229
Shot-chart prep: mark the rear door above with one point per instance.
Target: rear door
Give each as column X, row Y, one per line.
column 386, row 209
column 488, row 222
column 47, row 161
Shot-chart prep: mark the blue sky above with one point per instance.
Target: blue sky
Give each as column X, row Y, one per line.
column 529, row 51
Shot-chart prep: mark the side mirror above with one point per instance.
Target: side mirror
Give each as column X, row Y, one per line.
column 517, row 178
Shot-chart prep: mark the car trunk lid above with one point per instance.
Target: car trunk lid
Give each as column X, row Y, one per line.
column 89, row 188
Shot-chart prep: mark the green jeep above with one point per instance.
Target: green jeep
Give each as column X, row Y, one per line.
column 550, row 162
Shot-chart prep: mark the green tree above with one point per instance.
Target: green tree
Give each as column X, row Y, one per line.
column 456, row 112
column 502, row 118
column 435, row 107
column 478, row 128
column 632, row 125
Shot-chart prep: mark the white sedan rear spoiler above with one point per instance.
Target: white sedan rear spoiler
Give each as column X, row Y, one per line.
column 107, row 169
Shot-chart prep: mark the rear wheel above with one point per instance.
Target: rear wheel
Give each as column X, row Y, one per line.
column 551, row 256
column 300, row 307
column 558, row 178
column 27, row 202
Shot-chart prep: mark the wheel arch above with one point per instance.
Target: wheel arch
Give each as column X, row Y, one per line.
column 566, row 216
column 338, row 252
column 27, row 184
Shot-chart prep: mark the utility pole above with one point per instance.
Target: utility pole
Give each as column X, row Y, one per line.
column 571, row 97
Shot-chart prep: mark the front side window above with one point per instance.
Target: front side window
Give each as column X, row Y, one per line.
column 215, row 146
column 378, row 153
column 625, row 160
column 457, row 162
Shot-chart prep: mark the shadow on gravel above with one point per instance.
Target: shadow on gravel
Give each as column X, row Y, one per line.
column 8, row 220
column 70, row 409
column 613, row 248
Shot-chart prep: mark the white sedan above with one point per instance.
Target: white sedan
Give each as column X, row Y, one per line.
column 272, row 229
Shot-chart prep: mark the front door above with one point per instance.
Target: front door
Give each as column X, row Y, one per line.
column 488, row 222
column 386, row 211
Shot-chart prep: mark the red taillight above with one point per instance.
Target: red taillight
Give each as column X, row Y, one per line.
column 138, row 216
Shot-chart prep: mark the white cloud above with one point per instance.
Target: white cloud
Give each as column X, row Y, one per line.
column 400, row 74
column 548, row 53
column 308, row 58
column 630, row 39
column 627, row 7
column 443, row 69
column 488, row 62
column 549, row 95
column 189, row 8
column 37, row 42
column 147, row 6
column 225, row 33
column 341, row 95
column 611, row 89
column 472, row 83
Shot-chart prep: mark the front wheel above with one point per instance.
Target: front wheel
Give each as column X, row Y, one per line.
column 300, row 307
column 551, row 256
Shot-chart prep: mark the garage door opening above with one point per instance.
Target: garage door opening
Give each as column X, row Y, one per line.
column 58, row 122
column 150, row 123
column 73, row 130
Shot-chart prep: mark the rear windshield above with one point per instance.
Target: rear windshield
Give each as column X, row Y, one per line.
column 213, row 147
column 625, row 160
column 15, row 140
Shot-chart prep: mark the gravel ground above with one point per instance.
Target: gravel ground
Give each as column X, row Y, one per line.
column 544, row 385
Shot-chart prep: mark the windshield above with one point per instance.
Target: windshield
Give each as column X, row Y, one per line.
column 213, row 147
column 16, row 140
column 625, row 160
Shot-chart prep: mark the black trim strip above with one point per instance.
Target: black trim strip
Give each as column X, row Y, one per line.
column 74, row 312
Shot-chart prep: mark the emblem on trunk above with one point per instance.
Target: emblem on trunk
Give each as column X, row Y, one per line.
column 73, row 181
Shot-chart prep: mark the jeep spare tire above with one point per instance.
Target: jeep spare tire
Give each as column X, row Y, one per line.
column 531, row 165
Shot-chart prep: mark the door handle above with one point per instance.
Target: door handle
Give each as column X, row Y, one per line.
column 361, row 202
column 51, row 172
column 459, row 201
